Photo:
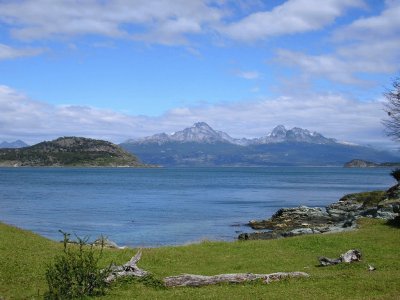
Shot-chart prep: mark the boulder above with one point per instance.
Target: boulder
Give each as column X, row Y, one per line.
column 291, row 218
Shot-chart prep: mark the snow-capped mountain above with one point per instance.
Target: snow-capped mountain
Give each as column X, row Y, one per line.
column 201, row 145
column 281, row 134
column 201, row 132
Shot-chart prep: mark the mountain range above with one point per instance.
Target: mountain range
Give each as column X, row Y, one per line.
column 201, row 132
column 201, row 145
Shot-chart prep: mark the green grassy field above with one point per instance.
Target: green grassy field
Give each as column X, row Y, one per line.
column 24, row 255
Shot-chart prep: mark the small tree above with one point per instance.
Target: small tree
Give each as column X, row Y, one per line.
column 392, row 108
column 75, row 272
column 392, row 124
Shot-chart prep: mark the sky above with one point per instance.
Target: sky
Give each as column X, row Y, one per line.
column 120, row 69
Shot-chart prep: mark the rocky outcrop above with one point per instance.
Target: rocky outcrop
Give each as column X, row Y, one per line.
column 336, row 217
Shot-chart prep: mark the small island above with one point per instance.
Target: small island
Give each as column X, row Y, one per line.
column 69, row 152
column 359, row 163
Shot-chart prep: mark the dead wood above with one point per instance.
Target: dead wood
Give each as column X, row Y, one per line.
column 200, row 280
column 128, row 269
column 348, row 257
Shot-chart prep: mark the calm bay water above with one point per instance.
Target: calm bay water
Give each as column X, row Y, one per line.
column 167, row 206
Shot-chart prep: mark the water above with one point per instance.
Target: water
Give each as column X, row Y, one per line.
column 168, row 206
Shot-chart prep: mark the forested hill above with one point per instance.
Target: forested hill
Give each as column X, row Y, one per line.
column 70, row 151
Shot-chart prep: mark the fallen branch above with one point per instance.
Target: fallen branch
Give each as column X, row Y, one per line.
column 200, row 280
column 348, row 257
column 128, row 269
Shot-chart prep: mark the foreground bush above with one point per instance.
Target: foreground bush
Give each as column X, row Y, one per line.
column 75, row 272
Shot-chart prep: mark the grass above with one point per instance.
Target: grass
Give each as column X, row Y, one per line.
column 24, row 255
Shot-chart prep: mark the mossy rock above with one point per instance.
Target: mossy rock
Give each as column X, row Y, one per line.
column 367, row 199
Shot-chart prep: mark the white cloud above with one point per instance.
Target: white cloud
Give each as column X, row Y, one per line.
column 380, row 27
column 367, row 45
column 158, row 21
column 7, row 52
column 293, row 16
column 333, row 115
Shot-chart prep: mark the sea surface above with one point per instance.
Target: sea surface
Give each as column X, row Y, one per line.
column 168, row 206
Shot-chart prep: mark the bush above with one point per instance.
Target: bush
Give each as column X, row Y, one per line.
column 396, row 174
column 75, row 272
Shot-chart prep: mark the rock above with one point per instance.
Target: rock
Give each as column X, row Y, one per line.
column 260, row 235
column 300, row 231
column 291, row 218
column 371, row 268
column 385, row 215
column 348, row 257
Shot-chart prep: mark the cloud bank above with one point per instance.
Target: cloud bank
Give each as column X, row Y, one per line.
column 333, row 115
column 167, row 21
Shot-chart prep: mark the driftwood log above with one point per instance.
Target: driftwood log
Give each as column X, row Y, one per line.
column 131, row 269
column 348, row 257
column 200, row 280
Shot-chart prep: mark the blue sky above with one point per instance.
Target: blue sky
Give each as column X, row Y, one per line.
column 122, row 69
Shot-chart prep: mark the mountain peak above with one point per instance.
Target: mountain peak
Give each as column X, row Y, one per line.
column 200, row 132
column 201, row 125
column 278, row 131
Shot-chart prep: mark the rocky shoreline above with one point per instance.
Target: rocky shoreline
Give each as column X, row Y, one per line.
column 336, row 217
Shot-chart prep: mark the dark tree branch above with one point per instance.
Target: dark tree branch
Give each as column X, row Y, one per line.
column 392, row 108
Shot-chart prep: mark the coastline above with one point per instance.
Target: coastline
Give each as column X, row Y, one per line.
column 339, row 216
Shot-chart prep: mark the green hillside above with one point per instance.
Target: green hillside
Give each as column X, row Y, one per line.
column 71, row 152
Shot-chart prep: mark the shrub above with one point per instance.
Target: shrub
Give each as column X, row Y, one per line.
column 75, row 272
column 396, row 174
